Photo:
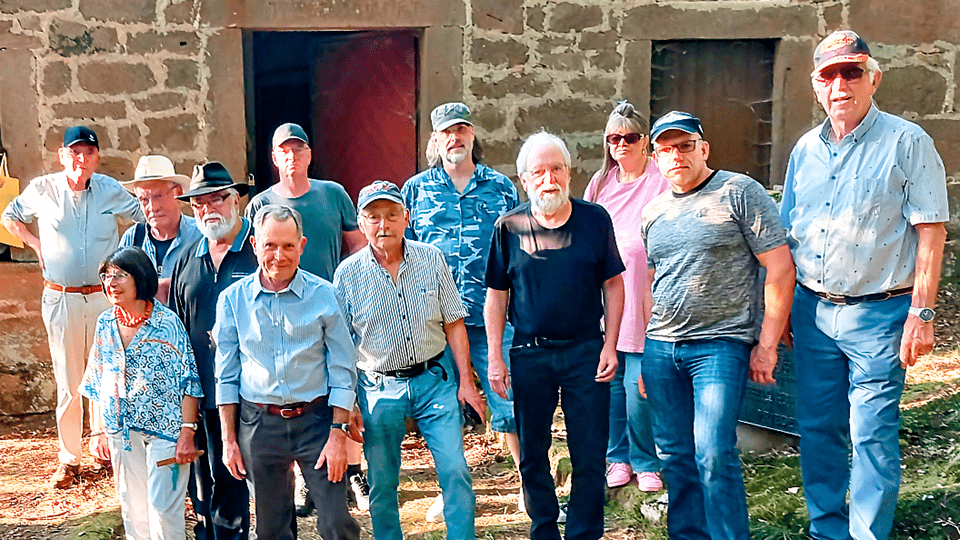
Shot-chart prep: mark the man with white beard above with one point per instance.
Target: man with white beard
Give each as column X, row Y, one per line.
column 222, row 256
column 554, row 263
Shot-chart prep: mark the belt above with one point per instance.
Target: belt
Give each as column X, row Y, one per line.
column 293, row 410
column 851, row 300
column 417, row 369
column 550, row 343
column 86, row 289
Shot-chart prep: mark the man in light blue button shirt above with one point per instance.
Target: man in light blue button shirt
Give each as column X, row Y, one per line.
column 287, row 363
column 865, row 204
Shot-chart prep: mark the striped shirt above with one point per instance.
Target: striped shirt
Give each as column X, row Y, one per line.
column 398, row 325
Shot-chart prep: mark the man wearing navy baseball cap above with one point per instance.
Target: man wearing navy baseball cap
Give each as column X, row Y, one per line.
column 75, row 212
column 715, row 322
column 864, row 202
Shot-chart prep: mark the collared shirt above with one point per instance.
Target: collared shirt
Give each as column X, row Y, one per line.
column 142, row 387
column 398, row 325
column 850, row 206
column 78, row 229
column 187, row 234
column 284, row 347
column 195, row 286
column 460, row 224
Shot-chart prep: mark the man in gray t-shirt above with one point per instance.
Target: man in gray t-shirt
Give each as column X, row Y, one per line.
column 706, row 240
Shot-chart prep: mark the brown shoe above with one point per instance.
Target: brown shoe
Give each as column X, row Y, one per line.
column 102, row 466
column 65, row 476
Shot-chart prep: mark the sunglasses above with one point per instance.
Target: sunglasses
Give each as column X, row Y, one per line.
column 848, row 73
column 630, row 138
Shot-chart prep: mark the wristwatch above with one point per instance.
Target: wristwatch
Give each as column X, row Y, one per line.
column 191, row 425
column 344, row 427
column 925, row 314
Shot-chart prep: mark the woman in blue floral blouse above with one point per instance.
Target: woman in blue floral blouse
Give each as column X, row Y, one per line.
column 143, row 374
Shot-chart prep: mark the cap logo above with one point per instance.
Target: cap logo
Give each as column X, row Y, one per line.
column 839, row 41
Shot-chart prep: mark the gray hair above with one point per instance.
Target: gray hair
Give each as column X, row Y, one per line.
column 873, row 67
column 279, row 212
column 537, row 140
column 623, row 116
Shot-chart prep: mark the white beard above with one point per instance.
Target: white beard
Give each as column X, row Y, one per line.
column 220, row 228
column 549, row 203
column 456, row 156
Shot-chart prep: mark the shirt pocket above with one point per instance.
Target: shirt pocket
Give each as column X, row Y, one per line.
column 432, row 297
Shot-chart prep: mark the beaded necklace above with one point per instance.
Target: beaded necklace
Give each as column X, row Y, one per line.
column 125, row 319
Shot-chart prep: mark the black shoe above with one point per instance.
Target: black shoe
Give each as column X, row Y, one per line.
column 305, row 509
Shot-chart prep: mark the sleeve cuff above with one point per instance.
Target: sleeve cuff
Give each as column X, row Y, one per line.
column 228, row 394
column 343, row 398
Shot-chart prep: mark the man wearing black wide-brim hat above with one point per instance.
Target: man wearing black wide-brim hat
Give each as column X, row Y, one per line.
column 222, row 256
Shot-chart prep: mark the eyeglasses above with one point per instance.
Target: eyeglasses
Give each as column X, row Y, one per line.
column 118, row 276
column 214, row 200
column 541, row 172
column 847, row 73
column 684, row 148
column 630, row 138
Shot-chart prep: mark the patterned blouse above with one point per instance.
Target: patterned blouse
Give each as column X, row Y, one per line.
column 142, row 387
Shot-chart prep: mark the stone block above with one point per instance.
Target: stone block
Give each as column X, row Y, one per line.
column 658, row 21
column 565, row 61
column 594, row 87
column 161, row 102
column 172, row 42
column 499, row 15
column 514, row 83
column 563, row 116
column 26, row 375
column 9, row 40
column 30, row 22
column 179, row 12
column 14, row 6
column 895, row 23
column 182, row 74
column 124, row 11
column 118, row 167
column 69, row 38
column 607, row 60
column 833, row 17
column 547, row 45
column 441, row 76
column 599, row 40
column 224, row 118
column 19, row 111
column 488, row 118
column 793, row 101
column 115, row 78
column 636, row 74
column 911, row 88
column 128, row 138
column 172, row 133
column 56, row 79
column 535, row 17
column 109, row 110
column 567, row 16
column 946, row 137
column 502, row 156
column 507, row 52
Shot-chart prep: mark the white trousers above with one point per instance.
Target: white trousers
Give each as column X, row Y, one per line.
column 71, row 321
column 152, row 499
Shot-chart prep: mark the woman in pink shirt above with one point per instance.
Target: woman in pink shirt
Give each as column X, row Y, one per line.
column 628, row 181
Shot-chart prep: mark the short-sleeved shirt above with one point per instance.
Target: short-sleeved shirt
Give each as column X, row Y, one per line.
column 625, row 203
column 78, row 229
column 704, row 246
column 555, row 276
column 187, row 235
column 460, row 224
column 141, row 387
column 398, row 324
column 851, row 206
column 196, row 284
column 327, row 211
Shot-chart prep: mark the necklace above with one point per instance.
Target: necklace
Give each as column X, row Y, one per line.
column 125, row 319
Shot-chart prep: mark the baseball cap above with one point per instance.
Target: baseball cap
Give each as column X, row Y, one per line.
column 842, row 47
column 80, row 134
column 289, row 131
column 380, row 189
column 680, row 120
column 449, row 114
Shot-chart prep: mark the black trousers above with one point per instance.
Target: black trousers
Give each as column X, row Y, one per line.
column 221, row 502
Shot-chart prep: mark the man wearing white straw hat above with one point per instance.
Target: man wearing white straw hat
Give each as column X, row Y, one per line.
column 167, row 231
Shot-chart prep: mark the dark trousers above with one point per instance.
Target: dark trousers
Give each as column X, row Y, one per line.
column 540, row 376
column 269, row 445
column 221, row 502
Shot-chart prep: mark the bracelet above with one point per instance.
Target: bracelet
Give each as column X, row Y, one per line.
column 96, row 433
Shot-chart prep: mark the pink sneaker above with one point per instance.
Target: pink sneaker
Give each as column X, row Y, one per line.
column 649, row 481
column 618, row 474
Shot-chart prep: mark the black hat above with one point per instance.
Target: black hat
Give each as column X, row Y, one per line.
column 209, row 178
column 80, row 134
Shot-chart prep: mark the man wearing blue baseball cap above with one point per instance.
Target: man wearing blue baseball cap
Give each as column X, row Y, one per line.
column 75, row 212
column 715, row 322
column 864, row 202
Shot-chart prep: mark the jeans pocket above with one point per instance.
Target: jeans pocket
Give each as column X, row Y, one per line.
column 249, row 413
column 369, row 380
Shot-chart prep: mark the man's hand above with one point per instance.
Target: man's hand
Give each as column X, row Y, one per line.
column 607, row 367
column 186, row 447
column 787, row 337
column 643, row 389
column 917, row 340
column 100, row 447
column 467, row 393
column 334, row 455
column 356, row 425
column 762, row 361
column 233, row 461
column 498, row 376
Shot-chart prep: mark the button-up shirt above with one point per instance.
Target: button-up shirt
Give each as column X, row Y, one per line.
column 78, row 229
column 398, row 324
column 460, row 224
column 187, row 234
column 850, row 206
column 195, row 286
column 284, row 347
column 141, row 387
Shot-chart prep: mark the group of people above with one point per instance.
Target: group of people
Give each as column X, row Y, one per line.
column 246, row 344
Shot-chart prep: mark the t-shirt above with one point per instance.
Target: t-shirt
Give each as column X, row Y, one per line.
column 327, row 211
column 555, row 276
column 703, row 245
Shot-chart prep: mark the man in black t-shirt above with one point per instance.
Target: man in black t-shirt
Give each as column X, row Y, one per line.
column 555, row 262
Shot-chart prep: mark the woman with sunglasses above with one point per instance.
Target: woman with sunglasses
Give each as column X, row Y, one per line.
column 143, row 374
column 629, row 180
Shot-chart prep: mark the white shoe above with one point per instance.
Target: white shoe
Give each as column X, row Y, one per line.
column 435, row 512
column 361, row 491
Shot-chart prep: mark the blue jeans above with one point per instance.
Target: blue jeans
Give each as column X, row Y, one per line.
column 501, row 410
column 631, row 419
column 385, row 402
column 540, row 376
column 849, row 382
column 696, row 389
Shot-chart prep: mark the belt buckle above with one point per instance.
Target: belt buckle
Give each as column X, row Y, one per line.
column 291, row 413
column 836, row 298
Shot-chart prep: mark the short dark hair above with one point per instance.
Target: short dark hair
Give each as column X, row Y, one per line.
column 135, row 262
